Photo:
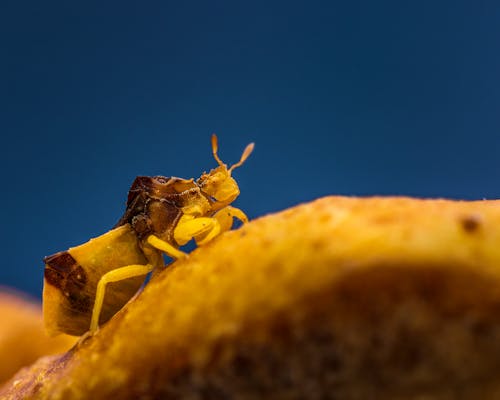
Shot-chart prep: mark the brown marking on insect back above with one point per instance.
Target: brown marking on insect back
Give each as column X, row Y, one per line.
column 145, row 189
column 62, row 261
column 158, row 187
column 63, row 272
column 471, row 223
column 142, row 225
column 154, row 205
column 141, row 185
column 164, row 218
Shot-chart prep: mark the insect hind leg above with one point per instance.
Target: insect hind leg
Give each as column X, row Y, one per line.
column 115, row 275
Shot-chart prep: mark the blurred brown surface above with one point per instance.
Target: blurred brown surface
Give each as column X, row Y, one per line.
column 341, row 298
column 22, row 335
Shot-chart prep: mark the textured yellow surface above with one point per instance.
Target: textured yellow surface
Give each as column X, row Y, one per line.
column 342, row 298
column 22, row 337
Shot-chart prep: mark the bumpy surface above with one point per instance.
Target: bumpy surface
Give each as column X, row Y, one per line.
column 341, row 298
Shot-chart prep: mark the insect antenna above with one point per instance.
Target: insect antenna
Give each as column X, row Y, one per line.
column 215, row 147
column 248, row 150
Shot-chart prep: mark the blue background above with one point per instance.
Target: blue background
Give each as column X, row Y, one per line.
column 355, row 98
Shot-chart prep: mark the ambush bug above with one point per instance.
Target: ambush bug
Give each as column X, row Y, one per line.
column 86, row 285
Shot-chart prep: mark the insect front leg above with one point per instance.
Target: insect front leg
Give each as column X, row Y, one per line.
column 115, row 275
column 202, row 229
column 226, row 215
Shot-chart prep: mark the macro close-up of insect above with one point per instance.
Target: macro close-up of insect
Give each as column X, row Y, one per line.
column 86, row 285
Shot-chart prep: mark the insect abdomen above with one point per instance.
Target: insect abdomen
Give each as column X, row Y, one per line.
column 71, row 279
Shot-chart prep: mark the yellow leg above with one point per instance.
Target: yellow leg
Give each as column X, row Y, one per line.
column 226, row 215
column 118, row 274
column 224, row 218
column 207, row 236
column 195, row 227
column 204, row 229
column 166, row 247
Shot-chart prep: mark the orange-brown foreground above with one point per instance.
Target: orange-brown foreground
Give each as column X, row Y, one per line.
column 22, row 336
column 341, row 298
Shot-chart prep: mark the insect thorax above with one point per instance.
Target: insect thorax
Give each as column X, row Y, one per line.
column 156, row 204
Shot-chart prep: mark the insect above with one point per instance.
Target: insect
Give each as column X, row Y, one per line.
column 86, row 285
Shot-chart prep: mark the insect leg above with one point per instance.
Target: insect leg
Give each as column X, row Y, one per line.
column 226, row 215
column 224, row 221
column 202, row 229
column 118, row 274
column 166, row 247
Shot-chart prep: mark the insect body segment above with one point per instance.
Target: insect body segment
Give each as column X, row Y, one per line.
column 72, row 276
column 162, row 213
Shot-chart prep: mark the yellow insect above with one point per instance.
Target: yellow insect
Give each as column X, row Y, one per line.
column 86, row 285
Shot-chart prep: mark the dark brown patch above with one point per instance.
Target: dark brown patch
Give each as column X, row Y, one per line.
column 62, row 261
column 158, row 188
column 63, row 272
column 145, row 189
column 471, row 223
column 164, row 217
column 141, row 185
column 154, row 205
column 142, row 225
